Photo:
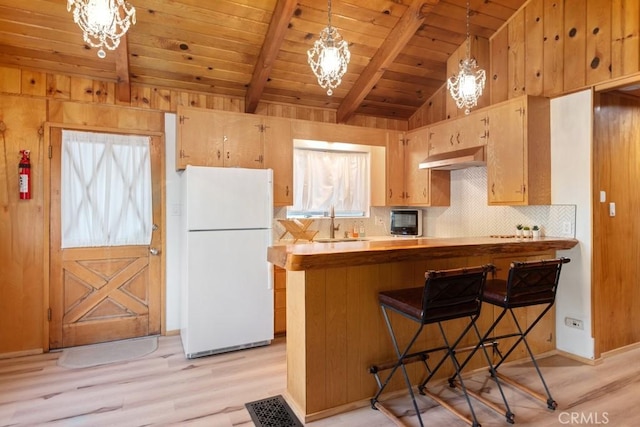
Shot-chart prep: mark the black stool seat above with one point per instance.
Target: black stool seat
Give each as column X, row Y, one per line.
column 409, row 302
column 446, row 295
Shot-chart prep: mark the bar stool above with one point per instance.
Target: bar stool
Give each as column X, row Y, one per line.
column 446, row 295
column 528, row 284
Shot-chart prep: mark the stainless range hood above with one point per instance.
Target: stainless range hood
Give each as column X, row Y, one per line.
column 453, row 160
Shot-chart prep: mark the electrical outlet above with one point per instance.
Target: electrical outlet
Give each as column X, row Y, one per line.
column 566, row 228
column 379, row 220
column 573, row 323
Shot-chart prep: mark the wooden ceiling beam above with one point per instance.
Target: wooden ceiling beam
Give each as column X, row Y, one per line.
column 399, row 36
column 270, row 48
column 123, row 85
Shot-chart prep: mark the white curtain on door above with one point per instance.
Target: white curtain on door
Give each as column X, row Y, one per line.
column 106, row 190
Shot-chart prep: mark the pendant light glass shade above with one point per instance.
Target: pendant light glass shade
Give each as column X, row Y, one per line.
column 329, row 57
column 103, row 22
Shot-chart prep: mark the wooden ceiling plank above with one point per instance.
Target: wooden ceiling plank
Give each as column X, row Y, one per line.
column 391, row 47
column 159, row 82
column 123, row 82
column 270, row 48
column 181, row 76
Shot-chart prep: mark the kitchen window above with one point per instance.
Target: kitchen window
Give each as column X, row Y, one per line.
column 330, row 174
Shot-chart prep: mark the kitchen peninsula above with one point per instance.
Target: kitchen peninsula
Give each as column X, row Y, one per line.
column 335, row 329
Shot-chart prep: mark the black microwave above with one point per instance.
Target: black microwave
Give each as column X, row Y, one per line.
column 406, row 222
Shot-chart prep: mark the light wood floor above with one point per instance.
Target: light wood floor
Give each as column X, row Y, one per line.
column 164, row 388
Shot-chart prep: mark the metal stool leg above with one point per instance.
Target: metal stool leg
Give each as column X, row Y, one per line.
column 551, row 404
column 399, row 363
column 451, row 354
column 509, row 415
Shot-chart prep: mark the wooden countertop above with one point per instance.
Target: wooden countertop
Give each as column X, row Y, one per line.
column 308, row 256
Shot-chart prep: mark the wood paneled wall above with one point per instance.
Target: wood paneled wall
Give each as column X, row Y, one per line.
column 71, row 88
column 551, row 47
column 21, row 226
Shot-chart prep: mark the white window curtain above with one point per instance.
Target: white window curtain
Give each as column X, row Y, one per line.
column 106, row 190
column 330, row 178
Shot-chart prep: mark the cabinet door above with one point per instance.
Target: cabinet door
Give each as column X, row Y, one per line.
column 243, row 141
column 278, row 155
column 279, row 300
column 457, row 134
column 506, row 154
column 471, row 131
column 416, row 180
column 395, row 170
column 441, row 138
column 199, row 138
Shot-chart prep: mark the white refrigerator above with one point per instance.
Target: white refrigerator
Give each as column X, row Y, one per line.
column 226, row 281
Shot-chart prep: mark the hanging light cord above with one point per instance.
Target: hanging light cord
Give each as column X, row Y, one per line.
column 329, row 16
column 468, row 33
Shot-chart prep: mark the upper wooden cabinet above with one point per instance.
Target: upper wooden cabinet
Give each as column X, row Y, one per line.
column 395, row 170
column 457, row 134
column 407, row 184
column 519, row 152
column 278, row 155
column 218, row 138
column 224, row 139
column 199, row 138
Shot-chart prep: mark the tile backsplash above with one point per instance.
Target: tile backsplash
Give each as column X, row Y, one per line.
column 468, row 215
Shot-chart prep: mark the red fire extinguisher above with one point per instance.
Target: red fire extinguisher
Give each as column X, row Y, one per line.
column 24, row 171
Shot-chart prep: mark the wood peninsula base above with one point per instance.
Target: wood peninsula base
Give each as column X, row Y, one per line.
column 335, row 329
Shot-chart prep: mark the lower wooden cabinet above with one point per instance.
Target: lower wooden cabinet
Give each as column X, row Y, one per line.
column 279, row 300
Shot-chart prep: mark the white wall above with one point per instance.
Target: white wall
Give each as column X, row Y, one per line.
column 172, row 236
column 571, row 135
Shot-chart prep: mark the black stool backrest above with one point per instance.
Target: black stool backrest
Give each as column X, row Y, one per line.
column 451, row 294
column 533, row 282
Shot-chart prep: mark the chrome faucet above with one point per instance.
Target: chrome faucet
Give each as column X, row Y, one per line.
column 332, row 227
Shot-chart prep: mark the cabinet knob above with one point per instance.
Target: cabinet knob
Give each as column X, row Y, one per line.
column 228, row 155
column 458, row 137
column 154, row 251
column 390, row 193
column 451, row 140
column 424, row 192
column 219, row 154
column 493, row 189
column 286, row 191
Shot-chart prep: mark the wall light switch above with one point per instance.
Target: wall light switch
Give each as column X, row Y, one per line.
column 612, row 209
column 603, row 196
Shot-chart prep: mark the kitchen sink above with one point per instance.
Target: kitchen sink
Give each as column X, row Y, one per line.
column 339, row 239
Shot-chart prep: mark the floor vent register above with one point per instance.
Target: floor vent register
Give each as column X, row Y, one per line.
column 272, row 412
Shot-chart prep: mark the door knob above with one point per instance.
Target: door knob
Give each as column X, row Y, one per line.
column 154, row 251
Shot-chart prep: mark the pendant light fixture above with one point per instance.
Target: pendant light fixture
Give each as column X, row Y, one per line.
column 467, row 86
column 103, row 22
column 329, row 57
